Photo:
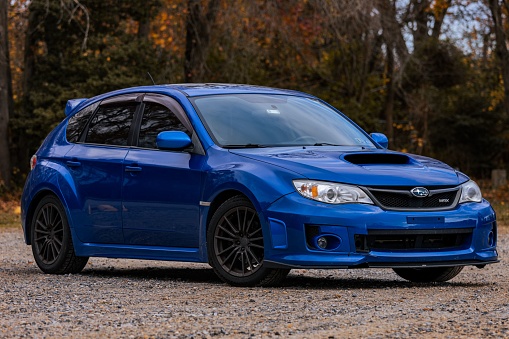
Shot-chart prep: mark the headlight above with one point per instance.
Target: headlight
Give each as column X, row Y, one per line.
column 331, row 193
column 470, row 192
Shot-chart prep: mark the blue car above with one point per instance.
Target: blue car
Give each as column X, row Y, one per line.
column 253, row 180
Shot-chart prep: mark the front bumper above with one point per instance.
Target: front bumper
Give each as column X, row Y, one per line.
column 368, row 236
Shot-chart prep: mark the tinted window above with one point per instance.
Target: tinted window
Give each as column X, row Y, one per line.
column 156, row 119
column 78, row 122
column 110, row 125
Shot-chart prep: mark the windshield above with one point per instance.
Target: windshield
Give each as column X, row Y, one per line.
column 261, row 120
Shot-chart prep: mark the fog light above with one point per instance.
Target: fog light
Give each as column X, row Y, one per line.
column 322, row 242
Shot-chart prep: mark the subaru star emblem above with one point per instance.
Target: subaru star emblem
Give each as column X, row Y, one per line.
column 419, row 192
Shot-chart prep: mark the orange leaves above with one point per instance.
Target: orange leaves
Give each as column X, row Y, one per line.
column 438, row 7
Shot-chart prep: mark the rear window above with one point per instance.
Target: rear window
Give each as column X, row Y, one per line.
column 111, row 124
column 78, row 122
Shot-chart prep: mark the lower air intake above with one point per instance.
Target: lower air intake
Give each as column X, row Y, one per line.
column 411, row 240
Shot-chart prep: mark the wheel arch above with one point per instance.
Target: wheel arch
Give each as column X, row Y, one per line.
column 220, row 199
column 53, row 179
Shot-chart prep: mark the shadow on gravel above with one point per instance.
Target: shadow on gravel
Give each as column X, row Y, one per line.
column 202, row 275
column 310, row 283
column 198, row 275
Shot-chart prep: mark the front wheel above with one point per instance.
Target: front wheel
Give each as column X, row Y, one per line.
column 51, row 239
column 428, row 274
column 236, row 247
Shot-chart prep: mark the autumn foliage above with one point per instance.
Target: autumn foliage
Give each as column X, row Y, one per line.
column 428, row 73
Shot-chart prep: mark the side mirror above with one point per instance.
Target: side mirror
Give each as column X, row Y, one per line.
column 380, row 139
column 173, row 140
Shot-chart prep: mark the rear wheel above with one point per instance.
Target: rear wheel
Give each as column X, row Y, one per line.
column 51, row 239
column 236, row 246
column 428, row 274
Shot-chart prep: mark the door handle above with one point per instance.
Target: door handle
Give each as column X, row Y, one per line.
column 133, row 169
column 73, row 163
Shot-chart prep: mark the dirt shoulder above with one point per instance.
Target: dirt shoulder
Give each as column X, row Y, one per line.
column 140, row 299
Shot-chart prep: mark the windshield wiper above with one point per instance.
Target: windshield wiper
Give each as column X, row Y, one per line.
column 245, row 146
column 325, row 144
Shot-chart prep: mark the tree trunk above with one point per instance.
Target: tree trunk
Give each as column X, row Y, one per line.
column 6, row 103
column 198, row 27
column 389, row 98
column 501, row 48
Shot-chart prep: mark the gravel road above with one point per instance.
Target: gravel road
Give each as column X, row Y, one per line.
column 148, row 299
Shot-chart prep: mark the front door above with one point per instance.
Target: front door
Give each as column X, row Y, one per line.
column 161, row 189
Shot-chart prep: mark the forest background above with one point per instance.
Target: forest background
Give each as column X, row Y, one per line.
column 433, row 75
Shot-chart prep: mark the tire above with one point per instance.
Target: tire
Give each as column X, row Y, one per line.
column 431, row 274
column 235, row 246
column 52, row 245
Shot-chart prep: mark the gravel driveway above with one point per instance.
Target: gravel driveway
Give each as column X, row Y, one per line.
column 148, row 299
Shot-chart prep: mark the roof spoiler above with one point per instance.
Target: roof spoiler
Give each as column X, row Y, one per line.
column 71, row 105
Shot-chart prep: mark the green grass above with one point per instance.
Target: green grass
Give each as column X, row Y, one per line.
column 10, row 211
column 9, row 220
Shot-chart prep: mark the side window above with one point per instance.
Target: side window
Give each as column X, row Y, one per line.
column 111, row 124
column 78, row 122
column 156, row 119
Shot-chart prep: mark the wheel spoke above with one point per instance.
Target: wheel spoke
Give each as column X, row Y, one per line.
column 57, row 242
column 38, row 231
column 238, row 220
column 256, row 245
column 224, row 238
column 227, row 249
column 249, row 265
column 245, row 219
column 43, row 251
column 231, row 225
column 233, row 261
column 228, row 232
column 38, row 239
column 56, row 217
column 234, row 251
column 43, row 226
column 253, row 215
column 45, row 217
column 254, row 232
column 254, row 257
column 53, row 250
column 243, row 271
column 58, row 224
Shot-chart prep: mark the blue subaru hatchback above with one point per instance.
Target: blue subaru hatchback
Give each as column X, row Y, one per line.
column 253, row 180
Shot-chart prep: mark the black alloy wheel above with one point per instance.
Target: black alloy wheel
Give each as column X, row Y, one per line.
column 236, row 245
column 52, row 245
column 238, row 242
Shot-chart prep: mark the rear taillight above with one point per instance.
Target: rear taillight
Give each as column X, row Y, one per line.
column 33, row 161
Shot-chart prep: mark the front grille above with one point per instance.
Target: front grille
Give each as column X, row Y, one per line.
column 404, row 200
column 401, row 240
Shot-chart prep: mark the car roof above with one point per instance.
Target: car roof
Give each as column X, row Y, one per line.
column 187, row 89
column 199, row 89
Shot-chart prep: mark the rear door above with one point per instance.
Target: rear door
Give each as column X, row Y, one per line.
column 95, row 162
column 162, row 189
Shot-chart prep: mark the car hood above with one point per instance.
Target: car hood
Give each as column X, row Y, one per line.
column 368, row 167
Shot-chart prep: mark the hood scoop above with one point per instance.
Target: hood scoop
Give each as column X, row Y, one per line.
column 378, row 159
